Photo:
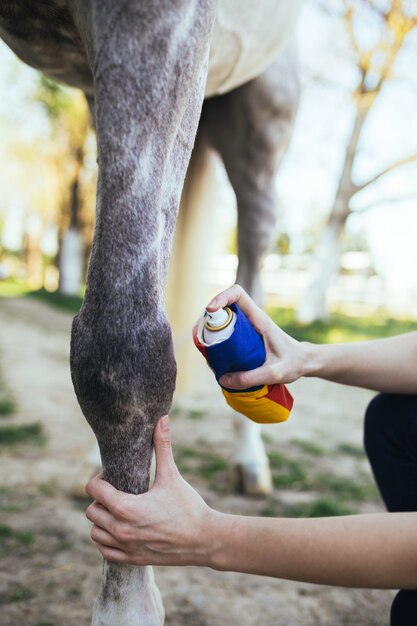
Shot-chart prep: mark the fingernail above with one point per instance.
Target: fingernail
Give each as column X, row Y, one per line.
column 164, row 422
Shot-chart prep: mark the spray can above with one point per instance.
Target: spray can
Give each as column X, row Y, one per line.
column 229, row 343
column 218, row 325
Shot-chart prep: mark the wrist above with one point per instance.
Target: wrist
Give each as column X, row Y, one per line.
column 221, row 540
column 311, row 359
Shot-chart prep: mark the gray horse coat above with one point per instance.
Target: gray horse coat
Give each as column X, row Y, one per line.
column 145, row 68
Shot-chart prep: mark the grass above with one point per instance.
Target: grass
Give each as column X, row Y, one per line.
column 195, row 414
column 7, row 404
column 11, row 540
column 309, row 447
column 287, row 472
column 340, row 327
column 300, row 469
column 351, row 450
column 345, row 488
column 13, row 434
column 72, row 304
column 321, row 507
column 199, row 462
column 15, row 593
column 13, row 288
column 14, row 500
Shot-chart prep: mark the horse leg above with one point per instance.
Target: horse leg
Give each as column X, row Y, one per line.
column 251, row 127
column 149, row 62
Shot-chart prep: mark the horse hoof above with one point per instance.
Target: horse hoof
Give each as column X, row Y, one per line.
column 252, row 480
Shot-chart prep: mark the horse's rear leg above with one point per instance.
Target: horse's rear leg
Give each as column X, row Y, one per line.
column 251, row 128
column 149, row 62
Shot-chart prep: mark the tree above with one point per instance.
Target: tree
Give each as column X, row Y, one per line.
column 397, row 19
column 69, row 117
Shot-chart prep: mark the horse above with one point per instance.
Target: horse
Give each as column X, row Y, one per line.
column 146, row 68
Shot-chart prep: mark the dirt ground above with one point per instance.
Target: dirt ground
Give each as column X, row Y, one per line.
column 50, row 570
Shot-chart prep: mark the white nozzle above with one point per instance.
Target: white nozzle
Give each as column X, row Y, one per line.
column 216, row 318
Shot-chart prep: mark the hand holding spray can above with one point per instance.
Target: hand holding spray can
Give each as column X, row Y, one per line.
column 229, row 343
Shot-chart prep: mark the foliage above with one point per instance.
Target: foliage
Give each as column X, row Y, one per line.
column 12, row 434
column 12, row 288
column 321, row 507
column 374, row 50
column 72, row 304
column 341, row 327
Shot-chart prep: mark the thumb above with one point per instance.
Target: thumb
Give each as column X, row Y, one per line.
column 165, row 464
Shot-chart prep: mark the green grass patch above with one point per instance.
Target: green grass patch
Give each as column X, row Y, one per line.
column 15, row 593
column 287, row 472
column 349, row 449
column 340, row 327
column 72, row 304
column 322, row 507
column 345, row 488
column 174, row 411
column 195, row 414
column 13, row 288
column 13, row 500
column 270, row 509
column 12, row 540
column 14, row 434
column 195, row 461
column 309, row 447
column 211, row 465
column 7, row 405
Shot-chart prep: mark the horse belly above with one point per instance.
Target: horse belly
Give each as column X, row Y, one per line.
column 247, row 36
column 45, row 36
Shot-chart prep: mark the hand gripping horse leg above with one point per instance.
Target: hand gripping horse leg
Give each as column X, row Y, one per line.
column 149, row 62
column 251, row 128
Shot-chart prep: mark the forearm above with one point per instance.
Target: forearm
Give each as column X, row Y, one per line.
column 376, row 551
column 387, row 365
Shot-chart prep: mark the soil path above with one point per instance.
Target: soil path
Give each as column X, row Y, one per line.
column 49, row 568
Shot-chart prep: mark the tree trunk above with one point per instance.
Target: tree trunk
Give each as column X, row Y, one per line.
column 71, row 263
column 71, row 253
column 313, row 304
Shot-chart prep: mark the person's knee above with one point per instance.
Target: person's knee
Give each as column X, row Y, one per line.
column 404, row 609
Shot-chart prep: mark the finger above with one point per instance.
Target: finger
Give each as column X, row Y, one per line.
column 100, row 516
column 263, row 375
column 228, row 296
column 236, row 294
column 99, row 535
column 165, row 464
column 104, row 492
column 113, row 554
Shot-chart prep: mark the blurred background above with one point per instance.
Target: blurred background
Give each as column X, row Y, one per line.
column 347, row 189
column 342, row 268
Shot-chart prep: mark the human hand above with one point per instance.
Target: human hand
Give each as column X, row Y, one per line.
column 169, row 525
column 285, row 357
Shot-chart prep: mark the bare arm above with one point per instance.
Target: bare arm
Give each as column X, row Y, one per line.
column 355, row 551
column 388, row 365
column 172, row 525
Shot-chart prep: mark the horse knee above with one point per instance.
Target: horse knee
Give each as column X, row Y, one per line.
column 121, row 373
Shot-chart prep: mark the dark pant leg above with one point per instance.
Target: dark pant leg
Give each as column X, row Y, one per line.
column 391, row 446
